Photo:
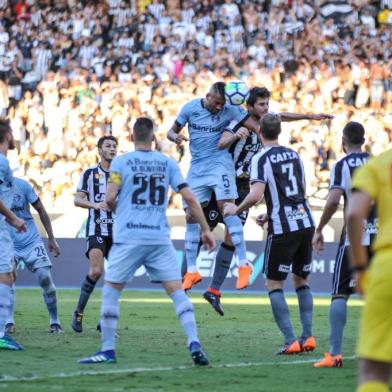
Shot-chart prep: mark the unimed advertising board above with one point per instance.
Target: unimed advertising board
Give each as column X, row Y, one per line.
column 71, row 266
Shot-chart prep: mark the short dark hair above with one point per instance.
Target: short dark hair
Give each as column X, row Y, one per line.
column 257, row 92
column 218, row 88
column 143, row 129
column 354, row 132
column 4, row 129
column 270, row 126
column 106, row 137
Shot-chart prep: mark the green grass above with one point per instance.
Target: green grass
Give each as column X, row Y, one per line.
column 151, row 338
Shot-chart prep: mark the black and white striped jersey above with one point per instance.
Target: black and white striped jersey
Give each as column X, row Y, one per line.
column 93, row 183
column 243, row 151
column 341, row 174
column 281, row 169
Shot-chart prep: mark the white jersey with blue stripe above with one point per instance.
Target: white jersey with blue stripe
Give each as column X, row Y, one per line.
column 205, row 129
column 144, row 178
column 6, row 185
column 24, row 195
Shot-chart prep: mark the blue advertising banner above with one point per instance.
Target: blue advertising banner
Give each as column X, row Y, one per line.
column 70, row 268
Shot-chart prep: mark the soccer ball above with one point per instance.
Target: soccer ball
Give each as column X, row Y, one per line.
column 236, row 92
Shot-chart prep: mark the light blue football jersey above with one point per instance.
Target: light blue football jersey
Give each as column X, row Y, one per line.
column 205, row 130
column 144, row 178
column 24, row 195
column 6, row 185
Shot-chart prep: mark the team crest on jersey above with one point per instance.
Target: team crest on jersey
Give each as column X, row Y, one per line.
column 99, row 240
column 213, row 215
column 297, row 213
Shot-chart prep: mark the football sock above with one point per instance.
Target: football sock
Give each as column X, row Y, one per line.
column 337, row 321
column 109, row 317
column 192, row 240
column 236, row 231
column 49, row 293
column 373, row 386
column 184, row 267
column 85, row 292
column 184, row 311
column 5, row 294
column 10, row 317
column 281, row 314
column 305, row 303
column 222, row 265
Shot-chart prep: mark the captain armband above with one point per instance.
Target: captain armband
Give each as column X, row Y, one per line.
column 115, row 178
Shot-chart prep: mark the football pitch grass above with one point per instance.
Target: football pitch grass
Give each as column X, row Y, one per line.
column 151, row 352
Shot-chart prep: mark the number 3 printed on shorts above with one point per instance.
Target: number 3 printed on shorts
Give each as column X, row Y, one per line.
column 226, row 182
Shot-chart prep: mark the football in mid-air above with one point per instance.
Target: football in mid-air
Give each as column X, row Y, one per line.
column 236, row 92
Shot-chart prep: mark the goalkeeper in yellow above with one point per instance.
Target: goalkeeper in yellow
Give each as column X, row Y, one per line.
column 372, row 183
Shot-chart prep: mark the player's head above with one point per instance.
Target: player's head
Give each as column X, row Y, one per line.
column 143, row 130
column 6, row 137
column 270, row 126
column 215, row 98
column 353, row 135
column 258, row 101
column 107, row 147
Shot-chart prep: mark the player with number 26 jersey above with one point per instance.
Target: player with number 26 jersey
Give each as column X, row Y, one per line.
column 145, row 177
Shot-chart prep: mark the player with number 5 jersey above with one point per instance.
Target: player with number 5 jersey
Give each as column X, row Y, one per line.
column 211, row 170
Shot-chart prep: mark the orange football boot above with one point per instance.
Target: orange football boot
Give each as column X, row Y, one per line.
column 190, row 279
column 244, row 273
column 309, row 344
column 290, row 349
column 330, row 361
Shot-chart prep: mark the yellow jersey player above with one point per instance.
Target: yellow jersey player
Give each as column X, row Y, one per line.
column 373, row 184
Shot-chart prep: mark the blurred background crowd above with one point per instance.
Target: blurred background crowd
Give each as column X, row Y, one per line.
column 72, row 71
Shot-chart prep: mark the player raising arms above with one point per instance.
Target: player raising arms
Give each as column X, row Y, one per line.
column 372, row 184
column 91, row 195
column 211, row 170
column 6, row 246
column 343, row 284
column 277, row 172
column 243, row 144
column 30, row 249
column 138, row 194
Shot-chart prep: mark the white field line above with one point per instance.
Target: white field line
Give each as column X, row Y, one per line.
column 5, row 378
column 227, row 301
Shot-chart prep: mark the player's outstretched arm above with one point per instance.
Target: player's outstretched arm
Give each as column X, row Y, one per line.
column 255, row 194
column 44, row 217
column 174, row 134
column 359, row 207
column 285, row 116
column 228, row 138
column 197, row 213
column 330, row 208
column 11, row 218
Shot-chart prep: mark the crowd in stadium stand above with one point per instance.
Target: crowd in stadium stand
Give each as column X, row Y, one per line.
column 71, row 71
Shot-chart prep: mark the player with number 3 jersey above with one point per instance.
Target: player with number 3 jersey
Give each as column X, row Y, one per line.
column 278, row 174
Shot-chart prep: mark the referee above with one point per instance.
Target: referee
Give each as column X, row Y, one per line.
column 372, row 183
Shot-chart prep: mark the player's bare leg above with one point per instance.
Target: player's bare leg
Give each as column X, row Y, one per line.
column 373, row 376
